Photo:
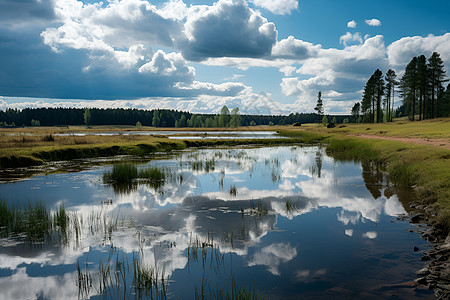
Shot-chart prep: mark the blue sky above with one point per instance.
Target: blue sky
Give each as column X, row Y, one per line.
column 264, row 56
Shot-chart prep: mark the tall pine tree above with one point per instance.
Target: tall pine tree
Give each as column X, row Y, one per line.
column 379, row 92
column 390, row 92
column 423, row 85
column 367, row 102
column 437, row 79
column 408, row 86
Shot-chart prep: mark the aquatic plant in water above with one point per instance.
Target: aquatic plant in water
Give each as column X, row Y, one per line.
column 34, row 222
column 125, row 178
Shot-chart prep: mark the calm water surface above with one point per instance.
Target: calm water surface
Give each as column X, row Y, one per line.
column 281, row 222
column 187, row 135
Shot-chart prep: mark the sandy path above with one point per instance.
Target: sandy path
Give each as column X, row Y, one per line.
column 441, row 143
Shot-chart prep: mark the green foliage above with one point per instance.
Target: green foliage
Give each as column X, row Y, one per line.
column 356, row 109
column 209, row 122
column 436, row 76
column 372, row 96
column 87, row 116
column 156, row 120
column 422, row 89
column 224, row 117
column 324, row 120
column 351, row 149
column 138, row 125
column 118, row 116
column 35, row 123
column 345, row 121
column 235, row 120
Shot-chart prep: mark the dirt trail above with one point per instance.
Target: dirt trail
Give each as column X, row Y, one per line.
column 441, row 143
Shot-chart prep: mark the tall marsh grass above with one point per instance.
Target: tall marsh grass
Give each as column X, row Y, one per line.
column 126, row 177
column 34, row 222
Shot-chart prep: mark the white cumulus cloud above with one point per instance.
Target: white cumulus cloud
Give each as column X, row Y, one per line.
column 338, row 73
column 292, row 48
column 351, row 24
column 279, row 7
column 402, row 51
column 348, row 38
column 242, row 31
column 373, row 22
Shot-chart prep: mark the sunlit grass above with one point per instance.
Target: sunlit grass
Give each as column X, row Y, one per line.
column 432, row 129
column 424, row 167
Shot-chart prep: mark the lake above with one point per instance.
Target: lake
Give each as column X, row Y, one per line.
column 284, row 222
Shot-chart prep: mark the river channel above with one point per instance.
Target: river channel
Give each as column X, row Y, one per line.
column 284, row 222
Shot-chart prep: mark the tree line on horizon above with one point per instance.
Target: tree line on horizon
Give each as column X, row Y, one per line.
column 421, row 90
column 155, row 118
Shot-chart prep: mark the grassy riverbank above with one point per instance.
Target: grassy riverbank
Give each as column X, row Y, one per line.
column 33, row 146
column 414, row 154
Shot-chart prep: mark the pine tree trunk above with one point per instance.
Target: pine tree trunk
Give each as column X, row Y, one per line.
column 432, row 102
column 393, row 93
column 420, row 106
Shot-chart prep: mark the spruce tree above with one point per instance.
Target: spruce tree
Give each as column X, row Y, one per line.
column 319, row 105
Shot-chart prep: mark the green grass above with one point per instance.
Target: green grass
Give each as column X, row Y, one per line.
column 34, row 222
column 428, row 129
column 426, row 168
column 121, row 173
column 126, row 177
column 153, row 174
column 29, row 155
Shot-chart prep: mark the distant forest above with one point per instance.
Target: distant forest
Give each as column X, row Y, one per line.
column 155, row 118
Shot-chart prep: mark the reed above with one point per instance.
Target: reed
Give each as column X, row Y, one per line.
column 121, row 173
column 232, row 190
column 126, row 177
column 35, row 222
column 291, row 206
